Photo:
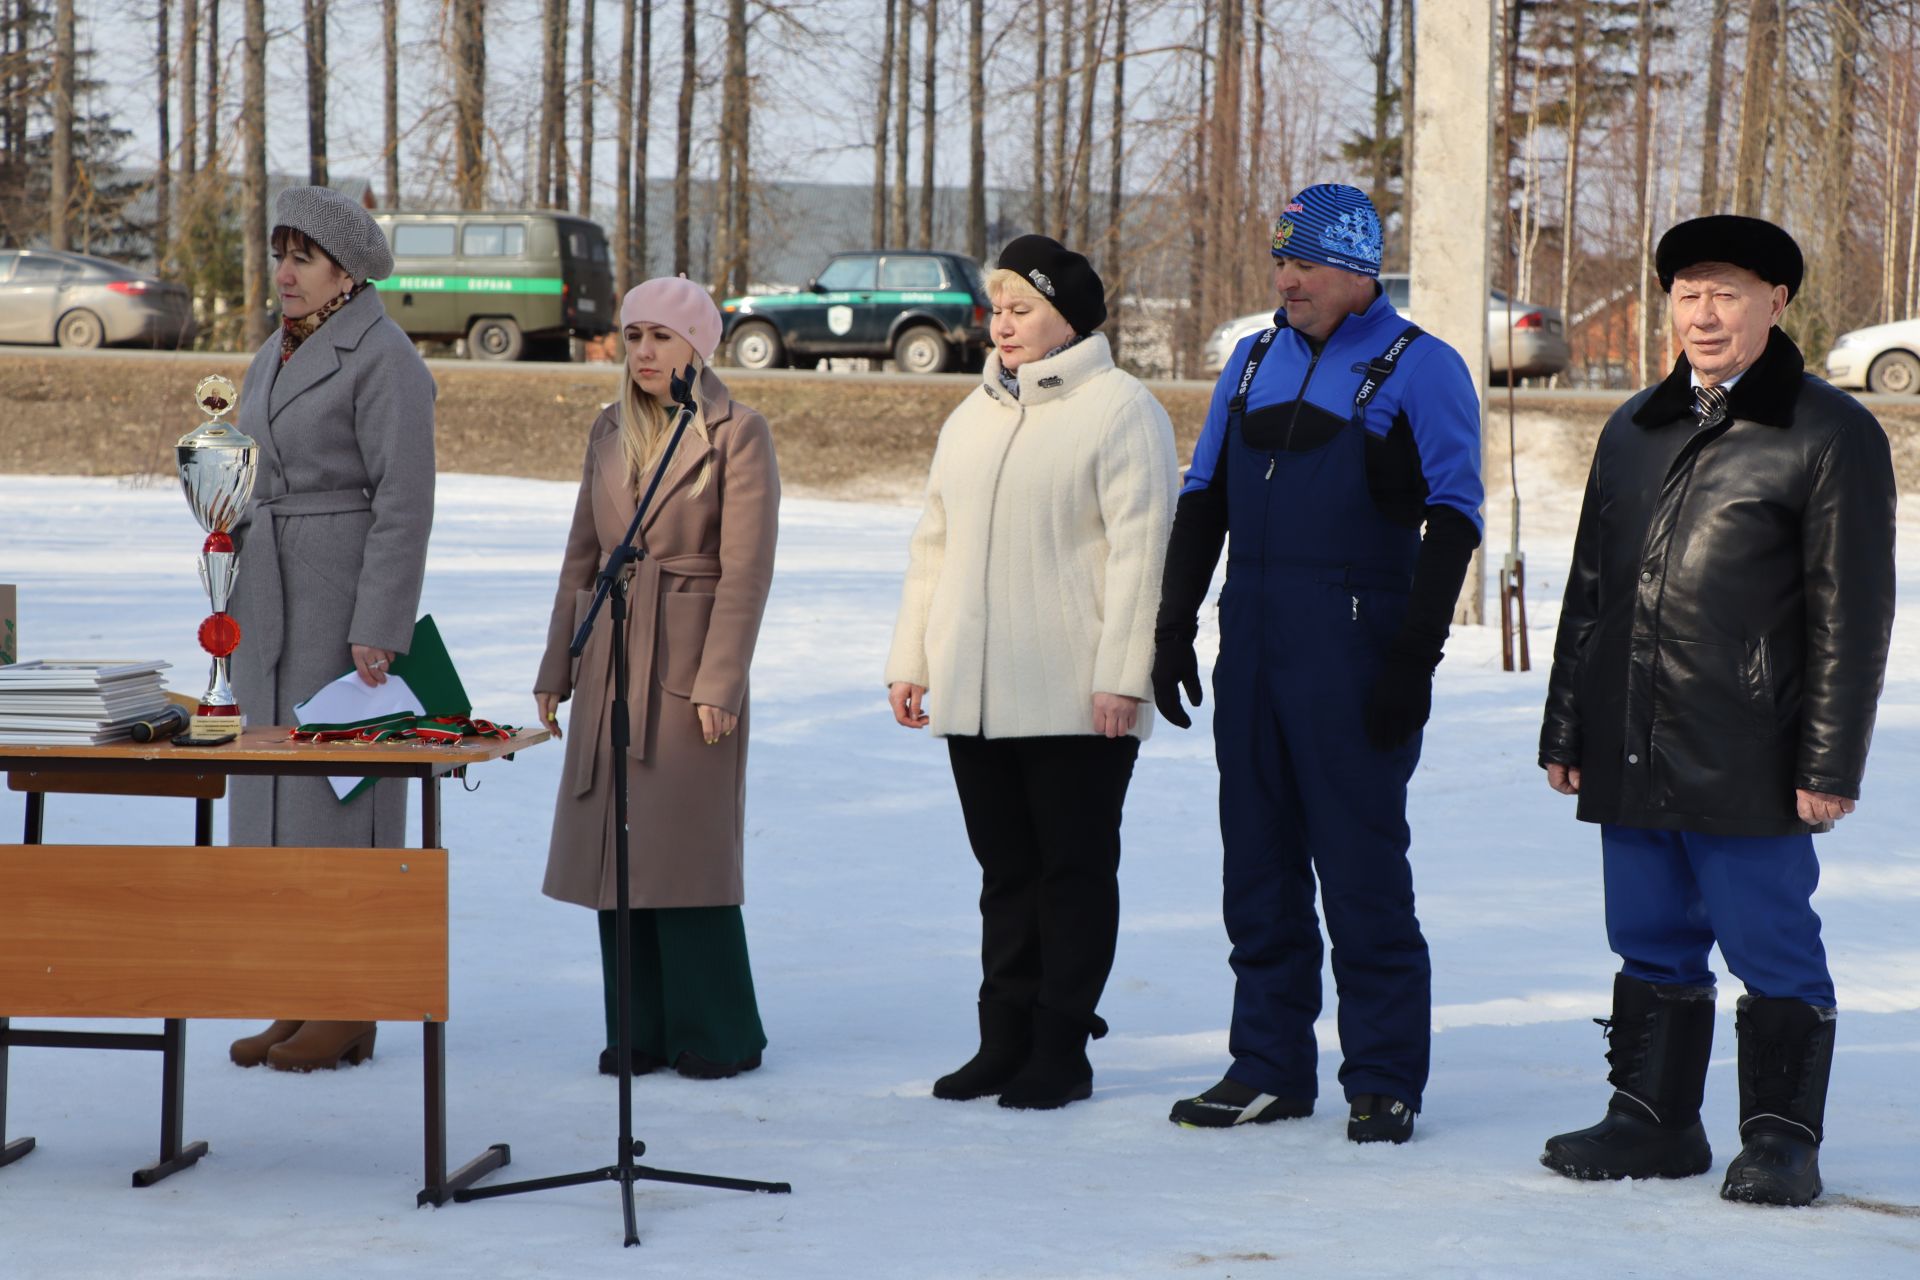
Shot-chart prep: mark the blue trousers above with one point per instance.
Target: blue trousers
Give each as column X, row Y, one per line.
column 1672, row 894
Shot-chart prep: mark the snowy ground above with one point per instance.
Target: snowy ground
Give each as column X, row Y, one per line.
column 862, row 921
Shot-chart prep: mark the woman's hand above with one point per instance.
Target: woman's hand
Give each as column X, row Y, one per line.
column 1114, row 714
column 548, row 707
column 905, row 699
column 372, row 663
column 715, row 724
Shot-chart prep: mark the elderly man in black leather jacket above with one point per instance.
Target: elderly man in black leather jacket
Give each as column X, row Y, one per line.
column 1720, row 654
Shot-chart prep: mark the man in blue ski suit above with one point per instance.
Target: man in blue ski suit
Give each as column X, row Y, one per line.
column 1334, row 438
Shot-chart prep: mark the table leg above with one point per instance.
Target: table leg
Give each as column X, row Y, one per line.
column 173, row 1101
column 9, row 1151
column 36, row 816
column 440, row 1186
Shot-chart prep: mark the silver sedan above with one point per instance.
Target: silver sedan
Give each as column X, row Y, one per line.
column 78, row 300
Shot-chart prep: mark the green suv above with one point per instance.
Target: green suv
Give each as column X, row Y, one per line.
column 927, row 311
column 505, row 281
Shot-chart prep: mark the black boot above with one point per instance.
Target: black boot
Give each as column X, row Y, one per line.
column 1786, row 1054
column 1057, row 1071
column 1659, row 1040
column 1006, row 1037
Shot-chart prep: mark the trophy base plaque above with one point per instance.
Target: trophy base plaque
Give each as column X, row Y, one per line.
column 224, row 722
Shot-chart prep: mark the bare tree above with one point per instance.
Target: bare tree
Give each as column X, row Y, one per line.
column 1116, row 181
column 163, row 191
column 60, row 195
column 730, row 273
column 1714, row 106
column 253, row 174
column 927, row 128
column 902, row 74
column 390, row 96
column 976, row 130
column 1570, row 188
column 881, row 122
column 589, row 87
column 1062, row 105
column 683, row 139
column 1090, row 41
column 643, row 130
column 1039, row 187
column 623, row 255
column 469, row 106
column 189, row 87
column 552, row 165
column 212, row 113
column 315, row 12
column 1763, row 39
column 1643, row 176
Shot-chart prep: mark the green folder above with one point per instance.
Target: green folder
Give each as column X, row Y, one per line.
column 428, row 671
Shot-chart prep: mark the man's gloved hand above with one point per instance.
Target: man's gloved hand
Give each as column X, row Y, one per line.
column 1175, row 665
column 1401, row 700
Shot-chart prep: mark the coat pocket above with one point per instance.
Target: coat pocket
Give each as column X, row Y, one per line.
column 684, row 618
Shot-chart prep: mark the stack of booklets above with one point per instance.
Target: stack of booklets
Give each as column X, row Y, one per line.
column 77, row 702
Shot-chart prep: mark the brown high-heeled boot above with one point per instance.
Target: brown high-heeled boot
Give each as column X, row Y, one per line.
column 322, row 1046
column 251, row 1051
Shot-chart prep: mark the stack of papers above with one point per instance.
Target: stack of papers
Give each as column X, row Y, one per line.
column 77, row 702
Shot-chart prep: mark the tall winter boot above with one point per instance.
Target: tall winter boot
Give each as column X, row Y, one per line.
column 1057, row 1072
column 1006, row 1038
column 323, row 1046
column 1786, row 1055
column 1659, row 1040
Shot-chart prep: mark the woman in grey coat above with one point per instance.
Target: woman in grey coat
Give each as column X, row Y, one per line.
column 334, row 543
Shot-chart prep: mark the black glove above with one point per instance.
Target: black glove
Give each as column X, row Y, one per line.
column 1401, row 700
column 1175, row 665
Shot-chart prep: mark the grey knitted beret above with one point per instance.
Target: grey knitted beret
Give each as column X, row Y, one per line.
column 340, row 226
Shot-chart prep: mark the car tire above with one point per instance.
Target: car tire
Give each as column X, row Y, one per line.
column 921, row 349
column 495, row 338
column 756, row 345
column 1896, row 373
column 81, row 329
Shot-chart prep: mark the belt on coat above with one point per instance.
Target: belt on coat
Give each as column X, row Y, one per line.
column 643, row 631
column 263, row 541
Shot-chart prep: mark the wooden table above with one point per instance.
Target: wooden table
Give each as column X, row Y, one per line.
column 197, row 931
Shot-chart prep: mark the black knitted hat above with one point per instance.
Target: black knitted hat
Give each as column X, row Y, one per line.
column 1063, row 277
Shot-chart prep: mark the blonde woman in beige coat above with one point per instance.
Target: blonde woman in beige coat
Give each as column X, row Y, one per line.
column 333, row 547
column 1025, row 639
column 695, row 606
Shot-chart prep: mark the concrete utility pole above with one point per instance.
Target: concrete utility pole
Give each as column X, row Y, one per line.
column 1452, row 211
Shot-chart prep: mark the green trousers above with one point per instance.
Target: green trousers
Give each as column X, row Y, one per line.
column 692, row 988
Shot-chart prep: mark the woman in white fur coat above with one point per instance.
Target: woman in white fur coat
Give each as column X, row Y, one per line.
column 1025, row 639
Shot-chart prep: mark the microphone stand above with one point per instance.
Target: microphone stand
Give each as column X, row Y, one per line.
column 614, row 576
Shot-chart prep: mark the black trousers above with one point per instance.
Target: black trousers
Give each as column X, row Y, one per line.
column 1043, row 816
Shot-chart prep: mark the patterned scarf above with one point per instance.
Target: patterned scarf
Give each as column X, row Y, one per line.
column 1011, row 381
column 294, row 332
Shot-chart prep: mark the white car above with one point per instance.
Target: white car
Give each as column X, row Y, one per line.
column 1882, row 357
column 1539, row 335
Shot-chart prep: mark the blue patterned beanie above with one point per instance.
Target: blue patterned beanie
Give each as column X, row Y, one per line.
column 1333, row 225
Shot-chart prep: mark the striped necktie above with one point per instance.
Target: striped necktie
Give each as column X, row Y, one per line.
column 1709, row 404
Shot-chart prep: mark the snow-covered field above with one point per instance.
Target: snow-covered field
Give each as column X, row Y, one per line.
column 862, row 921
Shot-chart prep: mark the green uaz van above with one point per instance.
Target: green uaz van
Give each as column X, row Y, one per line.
column 507, row 281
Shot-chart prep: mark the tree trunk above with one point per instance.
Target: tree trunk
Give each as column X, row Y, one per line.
column 543, row 153
column 927, row 127
column 1643, row 175
column 1382, row 105
column 623, row 278
column 189, row 88
column 1778, row 180
column 390, row 97
column 1038, row 194
column 1407, row 81
column 316, row 21
column 589, row 89
column 1847, row 19
column 1062, row 106
column 643, row 128
column 163, row 178
column 903, row 77
column 1716, row 95
column 212, row 113
column 1750, row 158
column 883, row 114
column 1116, row 165
column 1257, row 141
column 469, row 106
column 731, row 276
column 1090, row 41
column 976, row 131
column 1648, row 294
column 683, row 139
column 253, row 174
column 1570, row 193
column 60, row 194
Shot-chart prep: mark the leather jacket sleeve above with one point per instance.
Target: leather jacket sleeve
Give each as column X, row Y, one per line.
column 1560, row 738
column 1847, row 543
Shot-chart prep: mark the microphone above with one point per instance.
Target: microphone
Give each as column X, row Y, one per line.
column 169, row 722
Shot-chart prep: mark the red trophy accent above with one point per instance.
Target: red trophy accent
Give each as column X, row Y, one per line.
column 217, row 465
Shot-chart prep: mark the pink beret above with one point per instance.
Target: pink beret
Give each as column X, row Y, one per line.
column 680, row 305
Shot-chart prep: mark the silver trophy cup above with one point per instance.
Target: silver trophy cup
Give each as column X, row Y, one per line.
column 217, row 466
